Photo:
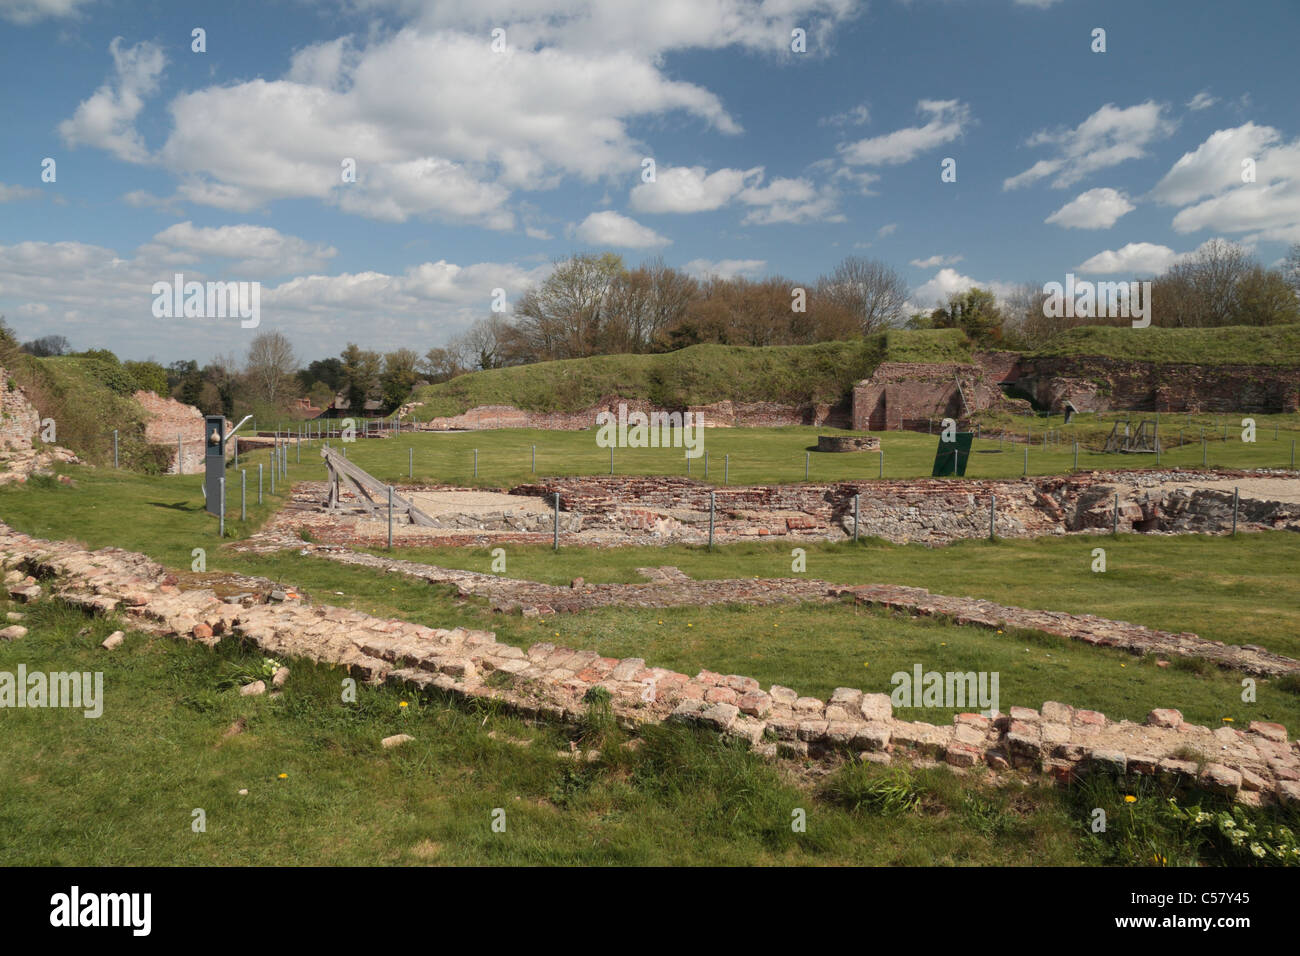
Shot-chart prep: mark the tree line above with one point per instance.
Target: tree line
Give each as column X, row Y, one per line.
column 593, row 304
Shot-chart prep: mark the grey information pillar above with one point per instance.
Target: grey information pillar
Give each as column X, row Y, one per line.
column 214, row 460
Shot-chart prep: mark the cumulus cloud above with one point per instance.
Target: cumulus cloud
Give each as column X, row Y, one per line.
column 107, row 119
column 1201, row 101
column 610, row 228
column 725, row 268
column 256, row 250
column 1208, row 183
column 1094, row 209
column 1107, row 138
column 947, row 119
column 1136, row 258
column 683, row 189
column 946, row 282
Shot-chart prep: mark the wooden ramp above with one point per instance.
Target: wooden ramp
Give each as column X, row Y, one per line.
column 370, row 491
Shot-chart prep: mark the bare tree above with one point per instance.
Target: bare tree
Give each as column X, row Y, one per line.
column 270, row 368
column 869, row 289
column 564, row 316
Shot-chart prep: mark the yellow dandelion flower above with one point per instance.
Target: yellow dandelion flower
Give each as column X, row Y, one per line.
column 1129, row 798
column 402, row 704
column 1228, row 719
column 284, row 776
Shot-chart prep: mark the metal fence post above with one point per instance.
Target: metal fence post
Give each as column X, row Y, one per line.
column 259, row 482
column 712, row 505
column 534, row 459
column 807, row 457
column 243, row 495
column 726, row 469
column 115, row 448
column 221, row 524
column 390, row 517
column 556, row 542
column 1076, row 455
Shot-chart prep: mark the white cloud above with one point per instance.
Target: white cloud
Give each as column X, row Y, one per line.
column 610, row 228
column 947, row 121
column 1107, row 138
column 944, row 283
column 792, row 201
column 29, row 11
column 933, row 261
column 103, row 299
column 107, row 119
column 647, row 29
column 1136, row 258
column 258, row 250
column 886, row 230
column 725, row 268
column 14, row 193
column 1207, row 182
column 683, row 189
column 1201, row 101
column 1094, row 209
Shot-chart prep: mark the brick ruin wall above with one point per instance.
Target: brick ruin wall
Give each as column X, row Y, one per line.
column 917, row 510
column 725, row 414
column 19, row 421
column 1100, row 384
column 166, row 421
column 902, row 395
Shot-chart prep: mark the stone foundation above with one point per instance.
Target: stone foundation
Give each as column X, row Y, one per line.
column 847, row 443
column 1256, row 766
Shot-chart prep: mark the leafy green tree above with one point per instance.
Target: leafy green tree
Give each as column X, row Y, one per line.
column 149, row 375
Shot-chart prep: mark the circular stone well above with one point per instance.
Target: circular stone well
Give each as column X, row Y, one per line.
column 848, row 443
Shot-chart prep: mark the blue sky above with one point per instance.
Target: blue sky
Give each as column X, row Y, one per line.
column 476, row 168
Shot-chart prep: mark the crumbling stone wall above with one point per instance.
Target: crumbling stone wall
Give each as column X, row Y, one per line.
column 19, row 421
column 928, row 510
column 1101, row 384
column 166, row 420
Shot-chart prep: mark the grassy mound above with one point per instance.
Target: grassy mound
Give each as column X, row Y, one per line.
column 698, row 375
column 88, row 398
column 1228, row 345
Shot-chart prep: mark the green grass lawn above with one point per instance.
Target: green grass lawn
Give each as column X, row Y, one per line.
column 1236, row 590
column 159, row 752
column 777, row 455
column 175, row 737
column 812, row 648
column 122, row 789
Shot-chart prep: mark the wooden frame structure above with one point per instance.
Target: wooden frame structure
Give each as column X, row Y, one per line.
column 1144, row 440
column 370, row 491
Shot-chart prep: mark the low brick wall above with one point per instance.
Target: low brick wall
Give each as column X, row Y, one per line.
column 928, row 510
column 1256, row 766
